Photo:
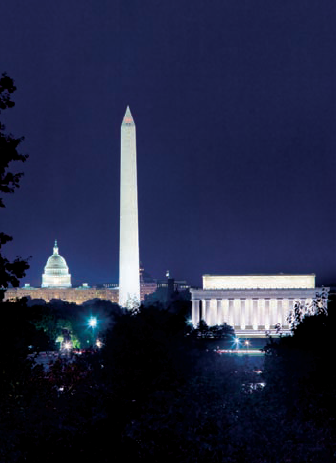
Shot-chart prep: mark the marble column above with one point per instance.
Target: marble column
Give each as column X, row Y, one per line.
column 207, row 312
column 261, row 316
column 236, row 309
column 242, row 314
column 231, row 313
column 220, row 312
column 212, row 312
column 225, row 304
column 279, row 311
column 273, row 312
column 255, row 310
column 291, row 302
column 267, row 314
column 285, row 313
column 195, row 314
column 203, row 310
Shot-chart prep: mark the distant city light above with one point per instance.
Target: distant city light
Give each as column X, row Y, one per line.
column 67, row 345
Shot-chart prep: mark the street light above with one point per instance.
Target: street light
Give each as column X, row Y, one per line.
column 92, row 324
column 247, row 343
column 237, row 342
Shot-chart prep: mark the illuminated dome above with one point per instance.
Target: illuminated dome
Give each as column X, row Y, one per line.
column 56, row 272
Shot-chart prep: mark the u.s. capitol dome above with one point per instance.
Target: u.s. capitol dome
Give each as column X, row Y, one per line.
column 56, row 272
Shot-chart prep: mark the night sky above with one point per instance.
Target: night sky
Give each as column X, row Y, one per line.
column 234, row 105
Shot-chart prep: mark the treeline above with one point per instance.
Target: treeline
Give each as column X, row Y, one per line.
column 154, row 391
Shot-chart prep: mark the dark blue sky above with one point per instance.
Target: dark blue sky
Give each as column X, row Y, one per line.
column 234, row 104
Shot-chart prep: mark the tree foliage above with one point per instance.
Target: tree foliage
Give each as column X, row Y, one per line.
column 318, row 305
column 301, row 383
column 160, row 394
column 9, row 181
column 10, row 272
column 18, row 338
column 204, row 331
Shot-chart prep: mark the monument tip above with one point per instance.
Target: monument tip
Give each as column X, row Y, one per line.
column 128, row 119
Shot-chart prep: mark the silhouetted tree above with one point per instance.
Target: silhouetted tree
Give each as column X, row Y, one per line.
column 18, row 338
column 204, row 331
column 10, row 272
column 318, row 305
column 301, row 385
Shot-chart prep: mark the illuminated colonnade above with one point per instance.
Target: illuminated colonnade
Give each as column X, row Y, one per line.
column 252, row 304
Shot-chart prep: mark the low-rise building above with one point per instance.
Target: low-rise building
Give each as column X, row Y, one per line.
column 252, row 304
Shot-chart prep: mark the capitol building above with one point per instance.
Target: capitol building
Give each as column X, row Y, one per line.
column 56, row 284
column 56, row 272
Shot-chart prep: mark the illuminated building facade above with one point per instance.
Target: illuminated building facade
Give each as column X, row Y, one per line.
column 129, row 264
column 56, row 272
column 76, row 295
column 84, row 293
column 252, row 304
column 56, row 284
column 147, row 284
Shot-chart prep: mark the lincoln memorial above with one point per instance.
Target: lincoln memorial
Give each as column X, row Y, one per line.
column 252, row 304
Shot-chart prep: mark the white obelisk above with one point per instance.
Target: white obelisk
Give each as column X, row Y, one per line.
column 129, row 275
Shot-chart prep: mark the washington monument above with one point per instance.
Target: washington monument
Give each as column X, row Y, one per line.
column 129, row 276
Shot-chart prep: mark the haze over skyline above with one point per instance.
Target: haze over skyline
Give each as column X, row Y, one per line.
column 234, row 105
